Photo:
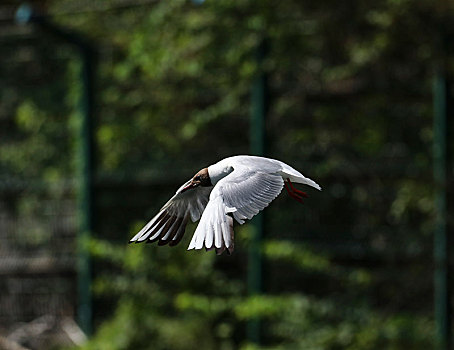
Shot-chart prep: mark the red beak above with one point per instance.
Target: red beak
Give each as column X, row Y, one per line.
column 188, row 187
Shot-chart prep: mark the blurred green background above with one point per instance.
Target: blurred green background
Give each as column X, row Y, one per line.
column 350, row 105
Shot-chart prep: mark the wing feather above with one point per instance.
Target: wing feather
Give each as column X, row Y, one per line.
column 247, row 192
column 180, row 232
column 157, row 231
column 172, row 229
column 169, row 224
column 209, row 239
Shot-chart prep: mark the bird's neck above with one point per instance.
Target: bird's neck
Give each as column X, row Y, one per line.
column 218, row 171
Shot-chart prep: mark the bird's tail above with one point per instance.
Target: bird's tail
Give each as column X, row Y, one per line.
column 306, row 181
column 215, row 229
column 296, row 177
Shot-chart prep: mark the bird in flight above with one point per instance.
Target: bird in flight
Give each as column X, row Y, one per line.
column 234, row 188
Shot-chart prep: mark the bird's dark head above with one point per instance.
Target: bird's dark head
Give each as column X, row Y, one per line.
column 200, row 179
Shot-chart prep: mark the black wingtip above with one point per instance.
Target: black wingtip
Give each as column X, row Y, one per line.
column 219, row 251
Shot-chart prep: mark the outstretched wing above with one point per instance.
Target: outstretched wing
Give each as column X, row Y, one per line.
column 241, row 194
column 169, row 224
column 247, row 192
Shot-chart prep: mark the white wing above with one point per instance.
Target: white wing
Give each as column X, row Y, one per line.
column 241, row 195
column 170, row 222
column 246, row 192
column 274, row 166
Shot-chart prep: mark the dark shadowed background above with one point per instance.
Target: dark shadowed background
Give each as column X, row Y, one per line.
column 350, row 105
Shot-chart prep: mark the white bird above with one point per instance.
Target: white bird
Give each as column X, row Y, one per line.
column 234, row 188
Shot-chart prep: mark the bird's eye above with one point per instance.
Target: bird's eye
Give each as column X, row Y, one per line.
column 197, row 178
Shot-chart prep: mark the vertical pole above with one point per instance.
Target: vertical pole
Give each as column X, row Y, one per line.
column 26, row 14
column 441, row 245
column 85, row 174
column 257, row 146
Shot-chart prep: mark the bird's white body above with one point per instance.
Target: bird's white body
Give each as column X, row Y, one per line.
column 224, row 167
column 241, row 187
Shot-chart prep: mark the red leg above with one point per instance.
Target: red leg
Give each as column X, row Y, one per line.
column 295, row 196
column 304, row 194
column 292, row 194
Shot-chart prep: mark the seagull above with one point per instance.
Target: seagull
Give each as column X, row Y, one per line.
column 237, row 188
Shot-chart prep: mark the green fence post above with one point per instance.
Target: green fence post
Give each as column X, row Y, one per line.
column 25, row 14
column 85, row 174
column 257, row 146
column 441, row 245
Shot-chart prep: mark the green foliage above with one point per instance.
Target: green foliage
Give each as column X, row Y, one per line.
column 39, row 144
column 296, row 255
column 179, row 74
column 154, row 298
column 349, row 106
column 170, row 298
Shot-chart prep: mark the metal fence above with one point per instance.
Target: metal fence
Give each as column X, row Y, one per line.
column 38, row 243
